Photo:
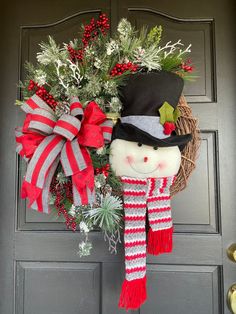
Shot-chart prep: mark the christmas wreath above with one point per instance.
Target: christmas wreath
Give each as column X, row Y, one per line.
column 71, row 98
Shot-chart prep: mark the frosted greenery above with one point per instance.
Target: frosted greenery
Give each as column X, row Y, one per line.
column 91, row 78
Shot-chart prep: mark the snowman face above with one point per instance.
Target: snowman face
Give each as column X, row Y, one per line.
column 141, row 161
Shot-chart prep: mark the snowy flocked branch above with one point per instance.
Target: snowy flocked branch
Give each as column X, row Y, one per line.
column 170, row 48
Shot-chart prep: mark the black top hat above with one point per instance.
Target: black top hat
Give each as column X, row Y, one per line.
column 142, row 97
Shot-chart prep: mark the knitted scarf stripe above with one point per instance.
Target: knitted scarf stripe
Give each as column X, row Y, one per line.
column 143, row 196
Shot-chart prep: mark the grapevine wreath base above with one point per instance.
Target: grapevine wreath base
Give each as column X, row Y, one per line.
column 186, row 123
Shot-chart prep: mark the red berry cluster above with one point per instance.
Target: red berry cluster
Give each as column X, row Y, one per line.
column 91, row 32
column 61, row 191
column 70, row 221
column 42, row 93
column 68, row 190
column 75, row 54
column 120, row 68
column 186, row 66
column 32, row 85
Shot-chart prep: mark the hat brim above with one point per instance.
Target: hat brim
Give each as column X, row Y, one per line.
column 129, row 132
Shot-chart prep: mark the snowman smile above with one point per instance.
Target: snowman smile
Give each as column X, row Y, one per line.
column 142, row 172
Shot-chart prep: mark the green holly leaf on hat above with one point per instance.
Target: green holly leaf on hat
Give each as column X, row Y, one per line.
column 176, row 114
column 168, row 113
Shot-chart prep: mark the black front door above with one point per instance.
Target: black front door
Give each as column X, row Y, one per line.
column 40, row 270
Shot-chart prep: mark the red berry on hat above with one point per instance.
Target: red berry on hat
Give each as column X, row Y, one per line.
column 169, row 127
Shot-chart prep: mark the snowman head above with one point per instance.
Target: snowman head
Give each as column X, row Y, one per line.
column 144, row 140
column 142, row 161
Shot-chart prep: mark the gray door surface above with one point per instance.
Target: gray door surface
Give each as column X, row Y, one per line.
column 40, row 270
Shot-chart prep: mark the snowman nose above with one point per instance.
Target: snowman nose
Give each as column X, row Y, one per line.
column 145, row 159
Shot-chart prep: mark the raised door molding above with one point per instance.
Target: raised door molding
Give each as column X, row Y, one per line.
column 200, row 33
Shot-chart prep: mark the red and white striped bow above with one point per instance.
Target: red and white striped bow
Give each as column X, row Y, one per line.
column 45, row 141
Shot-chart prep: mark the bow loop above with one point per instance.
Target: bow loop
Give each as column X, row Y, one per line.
column 76, row 108
column 107, row 127
column 93, row 114
column 92, row 133
column 33, row 103
column 42, row 120
column 26, row 143
column 91, row 136
column 67, row 126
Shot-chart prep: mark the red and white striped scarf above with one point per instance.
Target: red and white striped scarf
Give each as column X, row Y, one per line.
column 143, row 197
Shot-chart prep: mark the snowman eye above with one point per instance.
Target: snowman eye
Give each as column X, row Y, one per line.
column 140, row 144
column 155, row 148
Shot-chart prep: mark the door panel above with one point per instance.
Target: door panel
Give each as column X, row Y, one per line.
column 200, row 214
column 198, row 32
column 187, row 285
column 57, row 288
column 40, row 269
column 171, row 289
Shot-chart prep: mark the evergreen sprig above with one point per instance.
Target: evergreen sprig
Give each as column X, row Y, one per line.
column 108, row 215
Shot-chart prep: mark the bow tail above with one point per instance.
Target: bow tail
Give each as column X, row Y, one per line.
column 77, row 163
column 40, row 170
column 41, row 204
column 83, row 187
column 83, row 182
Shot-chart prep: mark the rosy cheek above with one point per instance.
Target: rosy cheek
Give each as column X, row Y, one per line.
column 162, row 165
column 129, row 159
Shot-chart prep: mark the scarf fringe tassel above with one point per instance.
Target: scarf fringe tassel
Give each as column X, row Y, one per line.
column 133, row 294
column 160, row 241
